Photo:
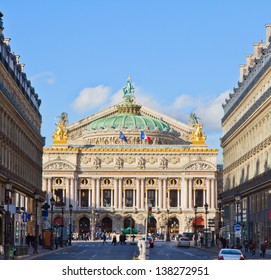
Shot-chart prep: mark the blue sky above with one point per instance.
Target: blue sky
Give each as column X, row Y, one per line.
column 182, row 56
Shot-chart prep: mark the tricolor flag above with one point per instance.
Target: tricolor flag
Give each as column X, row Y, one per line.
column 123, row 137
column 144, row 136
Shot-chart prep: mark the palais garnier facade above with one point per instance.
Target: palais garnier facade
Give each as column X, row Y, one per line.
column 118, row 165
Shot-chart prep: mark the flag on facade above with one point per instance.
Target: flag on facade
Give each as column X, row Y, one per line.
column 123, row 137
column 143, row 136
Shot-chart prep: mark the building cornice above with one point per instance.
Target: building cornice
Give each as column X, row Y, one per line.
column 248, row 155
column 254, row 108
column 255, row 73
column 129, row 150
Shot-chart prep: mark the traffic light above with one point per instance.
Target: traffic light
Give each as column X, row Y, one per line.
column 149, row 212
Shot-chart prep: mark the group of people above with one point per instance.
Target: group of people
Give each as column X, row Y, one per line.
column 251, row 246
column 121, row 240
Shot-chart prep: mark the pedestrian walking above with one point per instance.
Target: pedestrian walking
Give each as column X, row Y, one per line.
column 254, row 248
column 246, row 245
column 263, row 248
column 114, row 239
column 104, row 238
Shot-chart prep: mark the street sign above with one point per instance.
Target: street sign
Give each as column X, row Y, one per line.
column 237, row 227
column 44, row 213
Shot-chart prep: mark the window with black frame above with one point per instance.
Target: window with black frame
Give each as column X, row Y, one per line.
column 173, row 198
column 59, row 194
column 106, row 198
column 84, row 198
column 199, row 198
column 129, row 198
column 151, row 197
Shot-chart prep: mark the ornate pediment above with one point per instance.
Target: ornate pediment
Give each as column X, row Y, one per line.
column 59, row 165
column 200, row 166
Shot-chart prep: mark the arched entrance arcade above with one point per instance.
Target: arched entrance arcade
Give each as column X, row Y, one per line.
column 84, row 227
column 106, row 225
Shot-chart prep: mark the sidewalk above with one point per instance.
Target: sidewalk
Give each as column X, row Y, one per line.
column 257, row 256
column 31, row 256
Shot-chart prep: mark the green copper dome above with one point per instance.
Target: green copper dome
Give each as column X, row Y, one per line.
column 129, row 121
column 129, row 116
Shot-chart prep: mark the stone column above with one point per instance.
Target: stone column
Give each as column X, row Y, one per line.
column 115, row 193
column 123, row 198
column 102, row 197
column 178, row 198
column 67, row 193
column 142, row 206
column 134, row 197
column 156, row 198
column 72, row 194
column 89, row 197
column 93, row 193
column 98, row 197
column 160, row 205
column 45, row 188
column 190, row 198
column 208, row 192
column 164, row 194
column 50, row 190
column 213, row 193
column 75, row 193
column 112, row 198
column 80, row 195
column 184, row 193
column 120, row 194
column 138, row 204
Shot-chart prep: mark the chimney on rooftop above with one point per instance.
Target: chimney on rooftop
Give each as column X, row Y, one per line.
column 257, row 50
column 1, row 24
column 268, row 33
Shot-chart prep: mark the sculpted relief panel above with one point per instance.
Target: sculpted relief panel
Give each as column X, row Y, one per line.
column 199, row 167
column 59, row 166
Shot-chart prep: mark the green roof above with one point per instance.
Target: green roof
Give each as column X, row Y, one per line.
column 129, row 121
column 129, row 116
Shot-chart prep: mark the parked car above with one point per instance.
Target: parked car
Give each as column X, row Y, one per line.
column 183, row 242
column 230, row 254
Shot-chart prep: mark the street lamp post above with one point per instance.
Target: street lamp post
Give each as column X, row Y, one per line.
column 237, row 202
column 219, row 204
column 206, row 226
column 52, row 202
column 70, row 230
column 195, row 229
column 62, row 223
column 168, row 235
column 36, row 225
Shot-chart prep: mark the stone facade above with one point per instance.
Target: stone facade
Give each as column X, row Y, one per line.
column 112, row 183
column 246, row 148
column 21, row 147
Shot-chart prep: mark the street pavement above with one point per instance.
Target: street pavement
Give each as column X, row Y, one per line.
column 247, row 255
column 214, row 250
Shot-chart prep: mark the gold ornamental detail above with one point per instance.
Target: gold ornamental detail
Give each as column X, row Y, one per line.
column 60, row 135
column 198, row 136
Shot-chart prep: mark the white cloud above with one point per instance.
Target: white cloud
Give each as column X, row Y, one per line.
column 116, row 98
column 211, row 112
column 91, row 97
column 44, row 77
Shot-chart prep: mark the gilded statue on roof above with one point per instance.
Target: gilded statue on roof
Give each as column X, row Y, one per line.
column 198, row 136
column 60, row 135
